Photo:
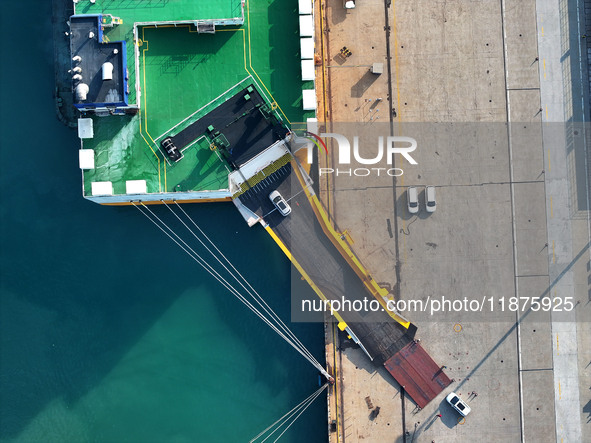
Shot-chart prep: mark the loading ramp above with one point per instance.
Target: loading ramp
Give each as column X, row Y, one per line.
column 329, row 270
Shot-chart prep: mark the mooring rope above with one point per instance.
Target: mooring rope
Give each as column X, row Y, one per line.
column 299, row 410
column 297, row 345
column 235, row 274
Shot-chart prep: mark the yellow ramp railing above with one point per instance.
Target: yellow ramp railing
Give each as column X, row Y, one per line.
column 381, row 294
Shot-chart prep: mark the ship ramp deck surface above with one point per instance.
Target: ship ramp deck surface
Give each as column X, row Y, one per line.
column 305, row 242
column 302, row 234
column 303, row 239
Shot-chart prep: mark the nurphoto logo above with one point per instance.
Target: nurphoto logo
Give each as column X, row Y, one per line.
column 386, row 149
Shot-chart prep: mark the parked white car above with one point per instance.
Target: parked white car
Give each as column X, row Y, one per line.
column 412, row 197
column 430, row 202
column 280, row 203
column 457, row 403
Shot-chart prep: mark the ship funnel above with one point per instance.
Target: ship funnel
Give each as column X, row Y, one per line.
column 77, row 59
column 77, row 77
column 77, row 69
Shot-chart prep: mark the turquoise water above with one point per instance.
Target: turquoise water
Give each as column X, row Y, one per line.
column 108, row 331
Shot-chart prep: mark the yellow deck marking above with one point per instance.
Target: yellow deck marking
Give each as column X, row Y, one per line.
column 145, row 92
column 300, row 269
column 150, row 146
column 145, row 88
column 546, row 112
column 279, row 242
column 557, row 352
column 348, row 236
column 143, row 40
column 559, row 392
column 244, row 48
column 243, row 43
column 324, row 92
column 376, row 290
column 553, row 255
column 322, row 53
column 544, row 63
column 336, row 391
column 146, row 95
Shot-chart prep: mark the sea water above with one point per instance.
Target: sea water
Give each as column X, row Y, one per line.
column 109, row 332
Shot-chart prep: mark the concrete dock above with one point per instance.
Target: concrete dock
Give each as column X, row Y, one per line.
column 480, row 85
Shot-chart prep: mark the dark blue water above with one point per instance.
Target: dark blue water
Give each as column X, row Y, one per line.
column 108, row 331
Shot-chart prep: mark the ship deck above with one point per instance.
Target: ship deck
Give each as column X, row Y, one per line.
column 183, row 75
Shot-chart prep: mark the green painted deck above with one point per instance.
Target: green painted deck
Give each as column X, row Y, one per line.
column 185, row 70
column 180, row 73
